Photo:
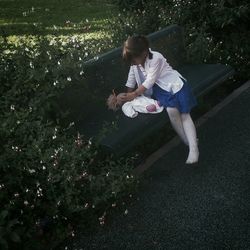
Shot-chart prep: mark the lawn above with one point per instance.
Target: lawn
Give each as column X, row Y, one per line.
column 25, row 20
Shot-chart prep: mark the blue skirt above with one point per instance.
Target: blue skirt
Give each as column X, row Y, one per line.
column 184, row 100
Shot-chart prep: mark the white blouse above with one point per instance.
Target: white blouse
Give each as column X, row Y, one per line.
column 156, row 70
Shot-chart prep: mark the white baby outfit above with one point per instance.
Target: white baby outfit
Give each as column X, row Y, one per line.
column 139, row 104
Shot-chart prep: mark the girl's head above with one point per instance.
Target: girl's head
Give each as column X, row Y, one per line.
column 136, row 50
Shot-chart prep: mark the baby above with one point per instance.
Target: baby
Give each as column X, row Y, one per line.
column 140, row 104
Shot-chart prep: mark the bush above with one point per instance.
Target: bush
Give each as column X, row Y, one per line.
column 143, row 20
column 51, row 176
column 129, row 5
column 212, row 28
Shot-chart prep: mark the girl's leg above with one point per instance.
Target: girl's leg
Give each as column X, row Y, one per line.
column 176, row 121
column 190, row 131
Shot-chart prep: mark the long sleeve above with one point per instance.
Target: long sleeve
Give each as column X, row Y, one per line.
column 153, row 73
column 131, row 81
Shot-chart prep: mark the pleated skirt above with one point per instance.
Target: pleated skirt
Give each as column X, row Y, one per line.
column 184, row 100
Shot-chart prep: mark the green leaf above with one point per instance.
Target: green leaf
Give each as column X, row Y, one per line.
column 3, row 244
column 4, row 214
column 15, row 237
column 12, row 223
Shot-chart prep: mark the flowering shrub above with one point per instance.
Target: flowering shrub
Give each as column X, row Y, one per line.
column 50, row 175
column 143, row 20
column 212, row 28
column 130, row 5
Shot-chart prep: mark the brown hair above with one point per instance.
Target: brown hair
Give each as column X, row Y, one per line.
column 134, row 46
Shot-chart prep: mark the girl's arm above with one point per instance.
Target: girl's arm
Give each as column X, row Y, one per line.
column 131, row 94
column 129, row 90
column 152, row 76
column 131, row 81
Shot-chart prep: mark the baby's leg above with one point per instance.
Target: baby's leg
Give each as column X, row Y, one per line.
column 176, row 121
column 190, row 131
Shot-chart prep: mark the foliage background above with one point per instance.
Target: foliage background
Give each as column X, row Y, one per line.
column 50, row 176
column 215, row 31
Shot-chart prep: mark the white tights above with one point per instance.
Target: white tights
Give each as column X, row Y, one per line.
column 185, row 128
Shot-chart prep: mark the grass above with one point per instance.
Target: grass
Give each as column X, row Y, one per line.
column 25, row 20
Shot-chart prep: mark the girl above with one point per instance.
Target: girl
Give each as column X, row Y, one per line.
column 154, row 77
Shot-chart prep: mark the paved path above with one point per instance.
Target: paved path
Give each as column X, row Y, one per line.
column 205, row 206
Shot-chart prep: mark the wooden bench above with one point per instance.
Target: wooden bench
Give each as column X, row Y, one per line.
column 86, row 101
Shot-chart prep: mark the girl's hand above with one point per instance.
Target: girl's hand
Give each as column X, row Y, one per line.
column 129, row 97
column 121, row 98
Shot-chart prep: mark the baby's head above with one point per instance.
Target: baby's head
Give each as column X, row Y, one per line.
column 136, row 49
column 114, row 102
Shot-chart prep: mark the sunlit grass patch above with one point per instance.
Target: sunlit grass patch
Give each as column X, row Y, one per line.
column 24, row 22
